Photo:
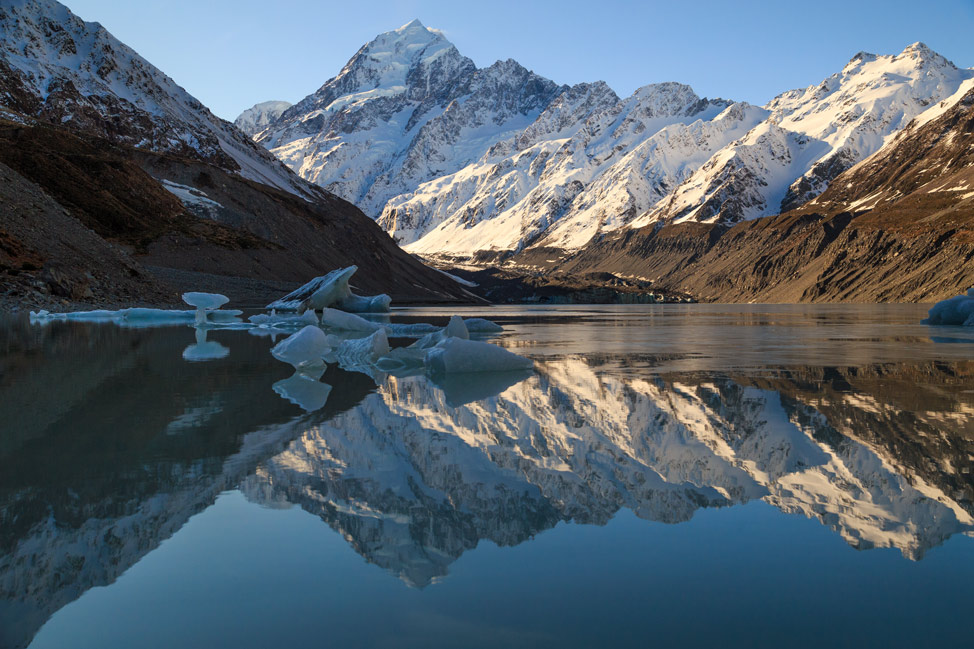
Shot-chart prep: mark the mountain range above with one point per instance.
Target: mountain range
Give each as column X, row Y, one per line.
column 120, row 187
column 499, row 164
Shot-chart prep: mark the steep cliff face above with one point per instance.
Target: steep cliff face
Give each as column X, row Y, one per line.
column 897, row 227
column 408, row 107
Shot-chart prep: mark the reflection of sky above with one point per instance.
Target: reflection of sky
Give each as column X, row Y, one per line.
column 242, row 575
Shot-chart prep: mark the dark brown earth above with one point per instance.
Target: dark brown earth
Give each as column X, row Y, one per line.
column 87, row 222
column 885, row 231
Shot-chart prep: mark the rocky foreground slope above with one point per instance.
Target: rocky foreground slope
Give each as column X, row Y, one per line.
column 138, row 191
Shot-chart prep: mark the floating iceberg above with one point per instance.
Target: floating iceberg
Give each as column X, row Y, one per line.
column 456, row 355
column 342, row 321
column 362, row 351
column 317, row 294
column 958, row 310
column 361, row 304
column 331, row 290
column 482, row 326
column 204, row 302
column 204, row 350
column 303, row 350
column 137, row 317
column 304, row 391
column 273, row 319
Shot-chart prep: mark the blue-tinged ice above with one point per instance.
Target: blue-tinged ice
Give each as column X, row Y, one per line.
column 362, row 304
column 342, row 321
column 305, row 350
column 319, row 293
column 456, row 355
column 304, row 390
column 958, row 310
column 482, row 326
column 204, row 302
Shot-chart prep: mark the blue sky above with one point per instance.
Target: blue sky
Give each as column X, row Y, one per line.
column 231, row 54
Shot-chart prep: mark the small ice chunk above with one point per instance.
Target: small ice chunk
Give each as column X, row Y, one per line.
column 958, row 310
column 204, row 302
column 361, row 304
column 455, row 355
column 456, row 328
column 303, row 349
column 306, row 392
column 275, row 320
column 363, row 351
column 482, row 326
column 317, row 294
column 341, row 321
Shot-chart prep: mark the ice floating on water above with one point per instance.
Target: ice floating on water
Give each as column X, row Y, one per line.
column 137, row 316
column 275, row 320
column 482, row 326
column 203, row 350
column 305, row 349
column 958, row 310
column 304, row 391
column 331, row 290
column 317, row 294
column 362, row 351
column 360, row 304
column 456, row 355
column 204, row 302
column 341, row 321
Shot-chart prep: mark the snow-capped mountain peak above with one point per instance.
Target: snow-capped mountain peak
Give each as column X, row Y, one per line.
column 58, row 68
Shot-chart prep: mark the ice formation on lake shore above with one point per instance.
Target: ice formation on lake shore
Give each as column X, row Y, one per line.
column 958, row 310
column 204, row 302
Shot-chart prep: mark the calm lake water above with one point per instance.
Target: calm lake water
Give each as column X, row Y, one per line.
column 668, row 476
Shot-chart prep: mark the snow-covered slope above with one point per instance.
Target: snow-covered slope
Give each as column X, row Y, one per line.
column 811, row 136
column 57, row 68
column 258, row 117
column 562, row 191
column 406, row 108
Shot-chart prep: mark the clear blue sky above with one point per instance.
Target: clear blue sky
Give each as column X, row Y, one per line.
column 231, row 54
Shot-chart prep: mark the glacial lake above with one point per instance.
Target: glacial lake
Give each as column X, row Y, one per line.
column 667, row 476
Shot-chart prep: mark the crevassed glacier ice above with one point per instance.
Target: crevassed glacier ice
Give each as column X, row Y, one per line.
column 304, row 349
column 958, row 310
column 456, row 355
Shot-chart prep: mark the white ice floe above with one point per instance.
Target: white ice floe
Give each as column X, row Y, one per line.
column 204, row 302
column 273, row 319
column 138, row 317
column 361, row 304
column 319, row 293
column 342, row 321
column 331, row 290
column 958, row 310
column 366, row 351
column 304, row 349
column 482, row 326
column 456, row 355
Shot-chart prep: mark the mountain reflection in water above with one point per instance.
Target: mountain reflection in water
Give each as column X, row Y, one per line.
column 111, row 442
